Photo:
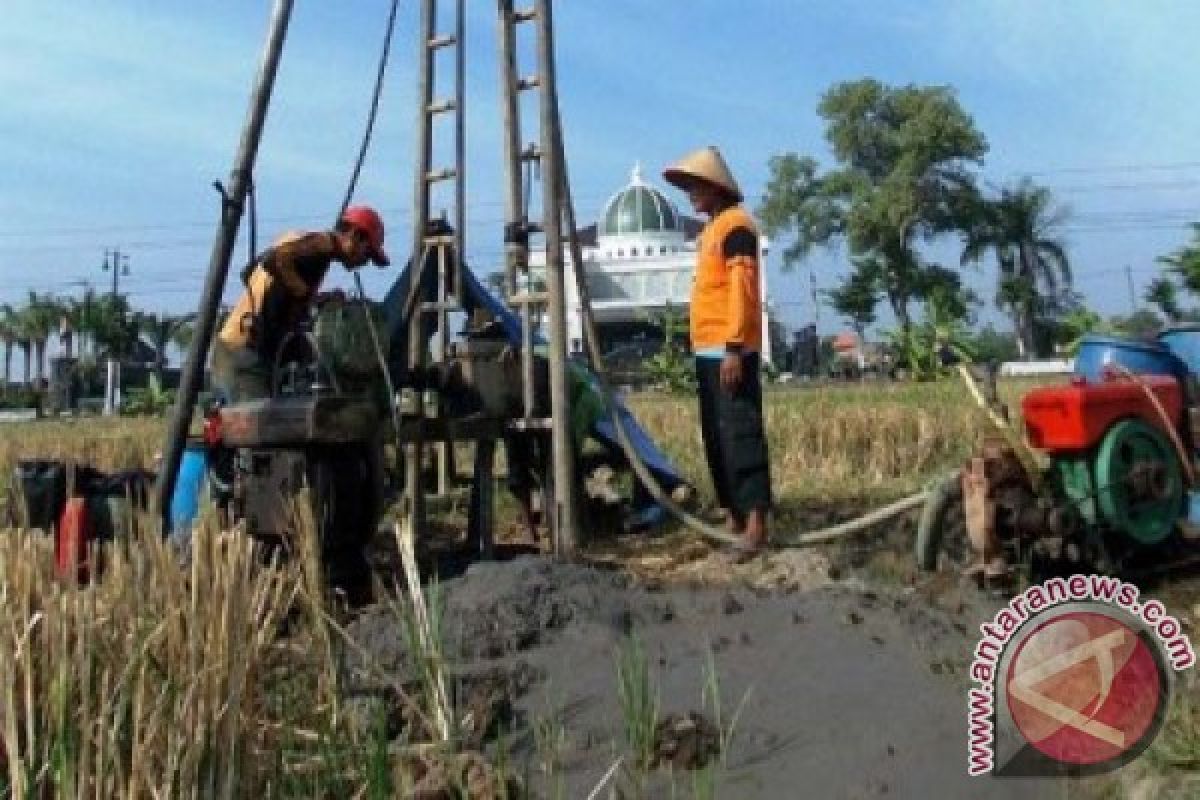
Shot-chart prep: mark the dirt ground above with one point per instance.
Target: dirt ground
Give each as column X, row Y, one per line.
column 845, row 674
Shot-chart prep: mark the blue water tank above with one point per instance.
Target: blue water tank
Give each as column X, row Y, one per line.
column 1184, row 342
column 185, row 501
column 1143, row 358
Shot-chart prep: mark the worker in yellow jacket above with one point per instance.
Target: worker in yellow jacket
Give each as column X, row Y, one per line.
column 282, row 284
column 726, row 333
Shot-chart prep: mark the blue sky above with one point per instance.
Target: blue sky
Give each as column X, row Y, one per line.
column 118, row 114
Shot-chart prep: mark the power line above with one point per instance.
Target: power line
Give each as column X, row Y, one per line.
column 1128, row 187
column 284, row 219
column 1098, row 169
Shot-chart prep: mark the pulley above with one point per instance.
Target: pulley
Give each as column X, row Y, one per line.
column 1139, row 482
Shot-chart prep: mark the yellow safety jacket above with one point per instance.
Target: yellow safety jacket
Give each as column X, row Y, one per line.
column 280, row 288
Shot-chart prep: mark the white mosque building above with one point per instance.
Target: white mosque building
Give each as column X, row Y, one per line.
column 639, row 259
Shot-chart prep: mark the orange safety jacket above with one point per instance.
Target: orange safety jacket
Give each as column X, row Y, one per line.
column 282, row 283
column 725, row 307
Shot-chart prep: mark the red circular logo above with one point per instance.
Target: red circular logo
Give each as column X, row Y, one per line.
column 1085, row 688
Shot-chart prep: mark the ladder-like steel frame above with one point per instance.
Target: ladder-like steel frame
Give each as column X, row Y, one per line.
column 531, row 301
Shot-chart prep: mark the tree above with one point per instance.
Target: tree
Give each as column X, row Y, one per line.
column 114, row 328
column 945, row 296
column 856, row 299
column 21, row 331
column 1076, row 323
column 994, row 347
column 163, row 330
column 671, row 367
column 70, row 319
column 1163, row 293
column 1144, row 325
column 1185, row 262
column 9, row 334
column 941, row 338
column 89, row 320
column 42, row 315
column 1019, row 229
column 904, row 155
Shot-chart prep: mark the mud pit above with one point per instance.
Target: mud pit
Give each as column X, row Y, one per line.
column 845, row 692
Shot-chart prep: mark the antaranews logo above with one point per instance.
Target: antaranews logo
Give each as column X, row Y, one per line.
column 1073, row 676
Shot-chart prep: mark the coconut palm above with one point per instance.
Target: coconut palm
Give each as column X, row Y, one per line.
column 114, row 329
column 18, row 319
column 1019, row 228
column 1162, row 293
column 9, row 334
column 87, row 322
column 41, row 315
column 70, row 325
column 163, row 330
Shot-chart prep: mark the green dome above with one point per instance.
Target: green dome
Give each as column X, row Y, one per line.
column 639, row 208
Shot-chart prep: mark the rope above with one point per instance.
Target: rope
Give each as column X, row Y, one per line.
column 1168, row 423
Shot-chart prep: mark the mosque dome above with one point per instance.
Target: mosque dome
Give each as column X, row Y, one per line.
column 639, row 209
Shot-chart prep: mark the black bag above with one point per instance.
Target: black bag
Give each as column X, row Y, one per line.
column 42, row 488
column 41, row 493
column 113, row 500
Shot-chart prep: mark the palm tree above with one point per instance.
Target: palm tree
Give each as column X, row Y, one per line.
column 42, row 317
column 8, row 335
column 1019, row 229
column 22, row 337
column 1162, row 293
column 70, row 325
column 114, row 329
column 86, row 319
column 163, row 330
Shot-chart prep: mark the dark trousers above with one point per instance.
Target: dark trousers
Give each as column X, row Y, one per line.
column 735, row 442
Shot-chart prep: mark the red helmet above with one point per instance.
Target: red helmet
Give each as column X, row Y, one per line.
column 368, row 221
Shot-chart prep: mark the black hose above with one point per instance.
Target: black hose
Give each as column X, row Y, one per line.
column 369, row 128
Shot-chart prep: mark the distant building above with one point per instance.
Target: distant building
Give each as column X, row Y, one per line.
column 639, row 259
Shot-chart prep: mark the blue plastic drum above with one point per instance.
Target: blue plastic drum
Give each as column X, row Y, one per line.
column 1184, row 342
column 1143, row 358
column 185, row 501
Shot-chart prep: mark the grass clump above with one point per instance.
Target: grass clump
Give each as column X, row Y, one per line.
column 639, row 702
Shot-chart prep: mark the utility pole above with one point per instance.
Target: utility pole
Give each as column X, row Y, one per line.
column 1133, row 304
column 812, row 280
column 118, row 263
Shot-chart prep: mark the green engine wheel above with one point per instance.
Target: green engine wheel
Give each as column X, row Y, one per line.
column 1139, row 482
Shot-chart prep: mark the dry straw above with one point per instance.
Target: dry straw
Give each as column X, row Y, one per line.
column 146, row 683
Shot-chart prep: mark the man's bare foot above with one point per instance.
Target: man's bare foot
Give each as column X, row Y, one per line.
column 754, row 535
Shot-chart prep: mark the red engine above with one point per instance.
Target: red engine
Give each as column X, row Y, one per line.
column 1076, row 416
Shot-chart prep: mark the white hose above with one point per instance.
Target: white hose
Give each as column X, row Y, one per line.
column 648, row 480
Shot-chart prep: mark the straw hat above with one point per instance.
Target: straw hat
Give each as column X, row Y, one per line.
column 707, row 165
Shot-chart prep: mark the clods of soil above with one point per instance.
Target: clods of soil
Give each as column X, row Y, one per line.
column 825, row 690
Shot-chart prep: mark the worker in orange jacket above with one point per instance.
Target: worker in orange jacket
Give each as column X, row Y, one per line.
column 726, row 334
column 281, row 286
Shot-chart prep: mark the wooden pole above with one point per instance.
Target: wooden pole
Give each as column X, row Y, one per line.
column 414, row 491
column 516, row 238
column 222, row 251
column 565, row 517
